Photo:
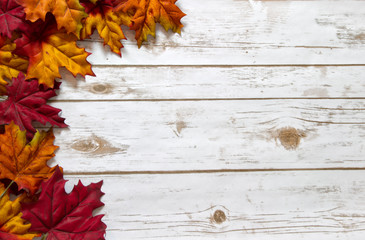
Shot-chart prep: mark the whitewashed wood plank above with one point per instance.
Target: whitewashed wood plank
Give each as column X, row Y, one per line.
column 215, row 82
column 241, row 32
column 256, row 205
column 193, row 135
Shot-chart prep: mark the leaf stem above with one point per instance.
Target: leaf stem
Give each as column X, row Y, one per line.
column 6, row 189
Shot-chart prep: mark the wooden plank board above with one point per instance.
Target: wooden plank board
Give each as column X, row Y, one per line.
column 143, row 83
column 241, row 32
column 256, row 205
column 194, row 135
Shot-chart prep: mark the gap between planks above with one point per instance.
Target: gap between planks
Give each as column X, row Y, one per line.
column 204, row 99
column 210, row 171
column 229, row 65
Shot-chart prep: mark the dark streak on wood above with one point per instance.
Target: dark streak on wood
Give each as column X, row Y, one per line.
column 330, row 122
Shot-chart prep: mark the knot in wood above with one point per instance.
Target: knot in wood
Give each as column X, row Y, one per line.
column 86, row 145
column 290, row 138
column 219, row 216
column 97, row 145
column 99, row 88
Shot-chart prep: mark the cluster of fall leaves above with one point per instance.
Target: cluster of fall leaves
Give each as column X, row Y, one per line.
column 37, row 37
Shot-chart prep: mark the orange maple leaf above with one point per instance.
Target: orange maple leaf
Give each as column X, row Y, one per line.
column 68, row 13
column 12, row 226
column 106, row 22
column 48, row 49
column 10, row 64
column 26, row 163
column 148, row 13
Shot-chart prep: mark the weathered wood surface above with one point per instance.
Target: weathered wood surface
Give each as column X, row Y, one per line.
column 249, row 32
column 253, row 111
column 198, row 135
column 255, row 205
column 196, row 82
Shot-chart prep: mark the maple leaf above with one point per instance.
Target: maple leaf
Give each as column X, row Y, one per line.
column 2, row 89
column 12, row 17
column 26, row 164
column 48, row 49
column 66, row 216
column 68, row 13
column 12, row 226
column 10, row 64
column 106, row 22
column 26, row 103
column 149, row 13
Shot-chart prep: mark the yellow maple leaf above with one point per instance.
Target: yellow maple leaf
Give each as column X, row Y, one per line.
column 12, row 226
column 10, row 64
column 48, row 49
column 108, row 26
column 58, row 50
column 148, row 13
column 68, row 13
column 26, row 164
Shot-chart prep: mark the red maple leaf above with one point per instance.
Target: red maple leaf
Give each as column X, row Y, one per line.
column 12, row 17
column 30, row 43
column 66, row 216
column 27, row 103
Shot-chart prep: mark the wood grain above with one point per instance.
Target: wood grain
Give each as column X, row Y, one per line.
column 241, row 32
column 275, row 205
column 144, row 83
column 198, row 135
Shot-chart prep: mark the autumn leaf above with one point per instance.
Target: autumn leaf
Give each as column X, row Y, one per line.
column 149, row 13
column 66, row 216
column 2, row 89
column 26, row 163
column 127, row 6
column 27, row 103
column 12, row 226
column 48, row 49
column 10, row 64
column 12, row 17
column 106, row 22
column 68, row 13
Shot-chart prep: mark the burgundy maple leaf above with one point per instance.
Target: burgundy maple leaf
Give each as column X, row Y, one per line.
column 100, row 7
column 12, row 17
column 66, row 216
column 27, row 103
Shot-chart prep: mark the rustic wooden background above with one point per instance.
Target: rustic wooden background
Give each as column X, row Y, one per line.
column 250, row 125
